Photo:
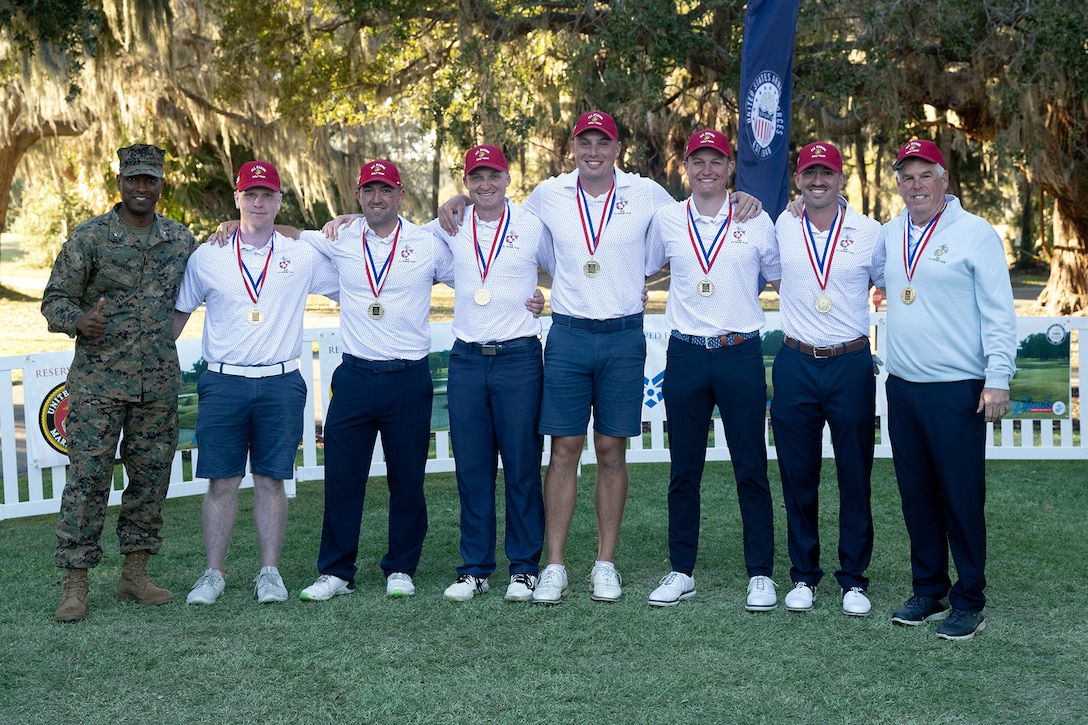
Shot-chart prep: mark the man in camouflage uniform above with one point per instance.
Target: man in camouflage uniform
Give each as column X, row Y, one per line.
column 113, row 288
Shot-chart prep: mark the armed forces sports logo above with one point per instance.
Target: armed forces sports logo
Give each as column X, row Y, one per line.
column 652, row 387
column 763, row 112
column 52, row 416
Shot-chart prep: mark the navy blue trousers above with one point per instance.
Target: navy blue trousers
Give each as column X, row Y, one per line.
column 394, row 398
column 494, row 404
column 939, row 451
column 808, row 392
column 733, row 378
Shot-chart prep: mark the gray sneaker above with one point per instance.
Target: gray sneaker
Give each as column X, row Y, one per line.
column 268, row 586
column 962, row 624
column 326, row 587
column 207, row 588
column 398, row 584
column 920, row 609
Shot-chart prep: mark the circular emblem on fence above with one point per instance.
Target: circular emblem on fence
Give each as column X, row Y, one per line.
column 52, row 416
column 763, row 112
column 1055, row 334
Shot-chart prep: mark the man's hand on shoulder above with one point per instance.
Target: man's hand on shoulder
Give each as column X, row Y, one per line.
column 331, row 230
column 222, row 234
column 451, row 215
column 747, row 206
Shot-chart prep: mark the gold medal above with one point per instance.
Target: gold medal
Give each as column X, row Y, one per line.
column 705, row 287
column 255, row 316
column 482, row 296
column 823, row 303
column 908, row 295
column 375, row 310
column 592, row 268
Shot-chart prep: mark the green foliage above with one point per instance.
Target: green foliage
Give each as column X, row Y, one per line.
column 67, row 28
column 71, row 25
column 1038, row 347
column 200, row 194
column 47, row 214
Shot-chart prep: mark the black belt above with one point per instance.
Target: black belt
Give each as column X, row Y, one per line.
column 729, row 339
column 826, row 350
column 501, row 348
column 381, row 366
column 631, row 322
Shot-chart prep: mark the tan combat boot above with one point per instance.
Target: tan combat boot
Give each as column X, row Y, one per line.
column 73, row 600
column 136, row 586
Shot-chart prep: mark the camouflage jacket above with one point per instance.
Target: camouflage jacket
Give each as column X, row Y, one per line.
column 136, row 359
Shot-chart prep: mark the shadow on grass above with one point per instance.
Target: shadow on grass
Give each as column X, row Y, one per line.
column 8, row 294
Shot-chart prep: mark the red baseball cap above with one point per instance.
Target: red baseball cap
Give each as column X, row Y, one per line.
column 709, row 139
column 819, row 154
column 597, row 121
column 487, row 156
column 383, row 171
column 257, row 173
column 919, row 148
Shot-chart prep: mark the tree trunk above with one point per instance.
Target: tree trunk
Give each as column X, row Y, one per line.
column 878, row 164
column 1025, row 254
column 863, row 175
column 19, row 138
column 1066, row 292
column 436, row 166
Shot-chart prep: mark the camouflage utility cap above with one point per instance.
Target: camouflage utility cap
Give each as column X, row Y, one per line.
column 140, row 160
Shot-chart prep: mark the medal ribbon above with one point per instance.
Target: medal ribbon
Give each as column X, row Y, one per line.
column 377, row 277
column 484, row 263
column 911, row 258
column 822, row 265
column 707, row 256
column 253, row 288
column 593, row 238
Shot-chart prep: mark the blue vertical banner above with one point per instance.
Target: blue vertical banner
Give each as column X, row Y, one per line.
column 766, row 79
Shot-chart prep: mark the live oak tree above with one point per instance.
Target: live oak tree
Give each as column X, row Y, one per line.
column 324, row 84
column 1012, row 75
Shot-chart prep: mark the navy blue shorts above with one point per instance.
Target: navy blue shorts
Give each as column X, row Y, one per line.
column 258, row 417
column 596, row 365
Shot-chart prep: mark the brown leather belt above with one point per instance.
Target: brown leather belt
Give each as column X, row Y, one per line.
column 827, row 350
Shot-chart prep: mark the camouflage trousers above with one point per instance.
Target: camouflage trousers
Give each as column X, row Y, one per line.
column 94, row 425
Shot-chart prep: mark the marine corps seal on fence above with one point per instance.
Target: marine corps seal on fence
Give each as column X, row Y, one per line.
column 51, row 418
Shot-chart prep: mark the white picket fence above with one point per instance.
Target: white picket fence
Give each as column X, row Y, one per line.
column 39, row 492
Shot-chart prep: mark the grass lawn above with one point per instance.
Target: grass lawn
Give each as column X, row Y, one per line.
column 365, row 658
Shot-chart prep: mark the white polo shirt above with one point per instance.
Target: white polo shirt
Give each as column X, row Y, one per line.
column 213, row 277
column 511, row 278
column 403, row 330
column 616, row 291
column 856, row 259
column 747, row 250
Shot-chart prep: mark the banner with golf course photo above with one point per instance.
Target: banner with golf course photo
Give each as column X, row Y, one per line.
column 1041, row 387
